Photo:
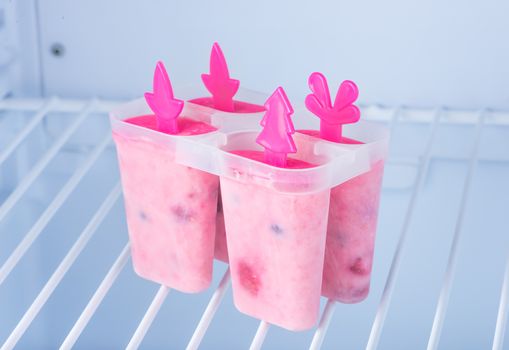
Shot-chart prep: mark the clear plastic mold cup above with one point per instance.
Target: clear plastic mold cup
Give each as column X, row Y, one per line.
column 353, row 213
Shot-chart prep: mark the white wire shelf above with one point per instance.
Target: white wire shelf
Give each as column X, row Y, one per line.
column 433, row 148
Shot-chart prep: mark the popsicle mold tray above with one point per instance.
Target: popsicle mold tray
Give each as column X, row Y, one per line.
column 212, row 177
column 211, row 152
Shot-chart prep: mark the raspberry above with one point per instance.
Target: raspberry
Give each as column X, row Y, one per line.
column 359, row 267
column 249, row 279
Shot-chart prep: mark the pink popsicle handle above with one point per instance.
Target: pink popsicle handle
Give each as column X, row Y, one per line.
column 276, row 136
column 165, row 107
column 274, row 158
column 332, row 117
column 218, row 81
column 330, row 132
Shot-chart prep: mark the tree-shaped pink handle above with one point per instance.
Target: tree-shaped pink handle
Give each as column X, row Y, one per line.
column 163, row 104
column 332, row 117
column 276, row 136
column 218, row 82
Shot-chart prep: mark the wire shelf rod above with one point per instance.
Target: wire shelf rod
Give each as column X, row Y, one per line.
column 62, row 269
column 96, row 299
column 51, row 210
column 323, row 325
column 503, row 308
column 34, row 173
column 260, row 335
column 385, row 300
column 445, row 292
column 210, row 311
column 36, row 119
column 148, row 318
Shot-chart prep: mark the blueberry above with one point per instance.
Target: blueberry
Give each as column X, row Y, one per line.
column 340, row 237
column 276, row 229
column 181, row 214
column 143, row 216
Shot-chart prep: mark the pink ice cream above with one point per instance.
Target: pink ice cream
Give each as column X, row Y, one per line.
column 351, row 231
column 171, row 209
column 351, row 234
column 222, row 88
column 276, row 246
column 221, row 251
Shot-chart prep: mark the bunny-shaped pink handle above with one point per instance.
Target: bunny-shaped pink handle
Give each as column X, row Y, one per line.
column 218, row 82
column 163, row 104
column 332, row 117
column 276, row 136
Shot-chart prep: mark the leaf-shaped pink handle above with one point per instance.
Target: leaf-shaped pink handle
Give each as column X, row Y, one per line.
column 218, row 82
column 332, row 117
column 350, row 114
column 347, row 95
column 313, row 104
column 165, row 107
column 318, row 84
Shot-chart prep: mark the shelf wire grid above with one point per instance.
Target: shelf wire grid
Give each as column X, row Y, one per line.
column 82, row 109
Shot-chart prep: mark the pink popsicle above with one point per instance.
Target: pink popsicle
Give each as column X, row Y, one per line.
column 274, row 103
column 351, row 232
column 170, row 208
column 354, row 204
column 276, row 246
column 223, row 89
column 276, row 240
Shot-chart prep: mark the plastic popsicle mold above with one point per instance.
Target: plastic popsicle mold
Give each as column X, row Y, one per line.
column 353, row 212
column 212, row 155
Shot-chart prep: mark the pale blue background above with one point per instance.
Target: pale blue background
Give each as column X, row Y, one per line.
column 423, row 53
column 426, row 53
